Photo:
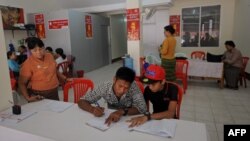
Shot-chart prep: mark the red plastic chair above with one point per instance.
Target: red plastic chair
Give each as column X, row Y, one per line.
column 64, row 66
column 80, row 88
column 198, row 55
column 181, row 72
column 141, row 86
column 13, row 83
column 180, row 94
column 242, row 73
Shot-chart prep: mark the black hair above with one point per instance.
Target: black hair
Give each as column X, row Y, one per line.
column 49, row 49
column 23, row 47
column 9, row 53
column 230, row 43
column 60, row 52
column 126, row 74
column 170, row 29
column 32, row 42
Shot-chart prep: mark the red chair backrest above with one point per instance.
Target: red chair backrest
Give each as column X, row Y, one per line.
column 245, row 61
column 198, row 55
column 181, row 68
column 80, row 88
column 64, row 67
column 180, row 93
column 141, row 86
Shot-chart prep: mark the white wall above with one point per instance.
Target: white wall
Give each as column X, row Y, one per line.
column 226, row 26
column 118, row 36
column 241, row 32
column 5, row 88
column 153, row 32
column 29, row 6
column 57, row 38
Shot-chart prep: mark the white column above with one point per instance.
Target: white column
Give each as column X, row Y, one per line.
column 5, row 88
column 134, row 45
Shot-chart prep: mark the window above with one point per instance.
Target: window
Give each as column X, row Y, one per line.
column 200, row 26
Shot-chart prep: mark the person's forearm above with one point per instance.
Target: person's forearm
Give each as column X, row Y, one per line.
column 61, row 76
column 86, row 106
column 24, row 90
column 163, row 115
column 133, row 111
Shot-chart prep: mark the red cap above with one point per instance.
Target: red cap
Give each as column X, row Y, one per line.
column 154, row 73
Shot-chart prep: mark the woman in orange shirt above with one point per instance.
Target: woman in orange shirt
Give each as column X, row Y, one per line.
column 167, row 52
column 39, row 77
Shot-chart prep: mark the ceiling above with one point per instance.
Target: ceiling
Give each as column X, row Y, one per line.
column 96, row 6
column 68, row 4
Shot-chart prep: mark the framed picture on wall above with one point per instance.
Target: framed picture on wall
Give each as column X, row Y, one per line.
column 200, row 26
column 11, row 16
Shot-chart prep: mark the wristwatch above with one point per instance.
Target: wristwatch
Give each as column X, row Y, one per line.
column 148, row 115
column 125, row 111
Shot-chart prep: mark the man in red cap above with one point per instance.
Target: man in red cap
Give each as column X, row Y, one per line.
column 160, row 93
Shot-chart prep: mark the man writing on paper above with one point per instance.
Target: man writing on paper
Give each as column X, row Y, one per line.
column 122, row 94
column 160, row 93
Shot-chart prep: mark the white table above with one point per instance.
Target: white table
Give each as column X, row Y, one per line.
column 70, row 126
column 200, row 68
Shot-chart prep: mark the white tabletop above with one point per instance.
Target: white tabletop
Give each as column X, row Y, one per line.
column 202, row 68
column 71, row 125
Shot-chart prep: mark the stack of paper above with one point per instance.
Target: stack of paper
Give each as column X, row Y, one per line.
column 163, row 128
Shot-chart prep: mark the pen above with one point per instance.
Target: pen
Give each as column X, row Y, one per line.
column 97, row 104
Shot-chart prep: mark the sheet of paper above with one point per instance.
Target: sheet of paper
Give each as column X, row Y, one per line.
column 163, row 128
column 54, row 106
column 7, row 117
column 99, row 122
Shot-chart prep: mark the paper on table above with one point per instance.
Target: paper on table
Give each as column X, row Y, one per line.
column 8, row 117
column 99, row 122
column 54, row 106
column 163, row 128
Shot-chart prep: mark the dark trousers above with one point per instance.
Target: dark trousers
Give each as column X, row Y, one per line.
column 231, row 75
column 48, row 94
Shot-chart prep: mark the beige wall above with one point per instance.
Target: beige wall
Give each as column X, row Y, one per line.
column 5, row 88
column 226, row 27
column 241, row 32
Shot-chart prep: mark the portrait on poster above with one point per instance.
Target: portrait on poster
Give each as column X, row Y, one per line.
column 11, row 16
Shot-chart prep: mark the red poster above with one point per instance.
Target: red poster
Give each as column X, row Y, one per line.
column 175, row 22
column 40, row 27
column 88, row 26
column 58, row 24
column 133, row 24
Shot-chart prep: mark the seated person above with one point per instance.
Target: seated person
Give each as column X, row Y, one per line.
column 50, row 50
column 60, row 56
column 13, row 65
column 23, row 54
column 123, row 95
column 160, row 93
column 233, row 63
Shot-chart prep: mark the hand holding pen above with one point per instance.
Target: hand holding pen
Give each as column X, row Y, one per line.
column 98, row 111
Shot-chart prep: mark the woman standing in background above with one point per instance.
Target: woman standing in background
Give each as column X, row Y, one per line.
column 167, row 52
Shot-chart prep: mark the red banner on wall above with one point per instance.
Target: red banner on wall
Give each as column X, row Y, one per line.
column 40, row 27
column 175, row 22
column 133, row 24
column 58, row 24
column 88, row 26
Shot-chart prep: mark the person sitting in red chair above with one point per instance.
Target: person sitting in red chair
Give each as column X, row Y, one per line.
column 162, row 94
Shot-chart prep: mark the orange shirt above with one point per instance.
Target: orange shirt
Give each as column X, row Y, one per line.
column 42, row 74
column 168, row 48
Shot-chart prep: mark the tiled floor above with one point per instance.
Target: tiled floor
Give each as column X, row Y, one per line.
column 203, row 102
